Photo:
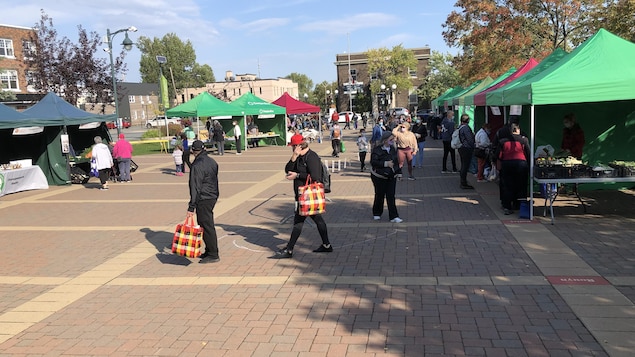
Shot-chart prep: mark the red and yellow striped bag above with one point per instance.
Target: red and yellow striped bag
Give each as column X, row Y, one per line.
column 312, row 199
column 187, row 239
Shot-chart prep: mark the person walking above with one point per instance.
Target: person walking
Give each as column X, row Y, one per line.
column 336, row 137
column 447, row 128
column 237, row 136
column 204, row 193
column 406, row 146
column 177, row 155
column 378, row 131
column 384, row 172
column 186, row 152
column 362, row 145
column 421, row 132
column 122, row 151
column 347, row 118
column 466, row 150
column 103, row 159
column 304, row 162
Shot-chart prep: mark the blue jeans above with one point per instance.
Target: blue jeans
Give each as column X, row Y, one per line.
column 418, row 159
column 124, row 169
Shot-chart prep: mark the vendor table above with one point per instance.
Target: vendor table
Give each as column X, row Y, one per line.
column 551, row 188
column 22, row 179
column 273, row 138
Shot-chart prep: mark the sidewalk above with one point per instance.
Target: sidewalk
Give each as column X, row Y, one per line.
column 89, row 273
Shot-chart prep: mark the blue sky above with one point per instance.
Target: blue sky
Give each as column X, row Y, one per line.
column 267, row 38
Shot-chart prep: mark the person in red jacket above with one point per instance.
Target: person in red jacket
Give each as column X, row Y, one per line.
column 572, row 136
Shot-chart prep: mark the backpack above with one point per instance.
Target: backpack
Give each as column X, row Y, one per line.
column 456, row 140
column 326, row 177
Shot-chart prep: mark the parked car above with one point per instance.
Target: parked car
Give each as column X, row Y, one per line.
column 423, row 114
column 350, row 115
column 161, row 121
column 125, row 123
column 398, row 111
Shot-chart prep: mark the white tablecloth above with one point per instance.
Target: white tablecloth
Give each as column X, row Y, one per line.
column 26, row 178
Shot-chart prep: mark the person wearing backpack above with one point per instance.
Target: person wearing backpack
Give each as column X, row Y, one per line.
column 447, row 128
column 336, row 137
column 304, row 162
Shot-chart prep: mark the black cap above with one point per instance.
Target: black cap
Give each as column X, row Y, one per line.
column 198, row 146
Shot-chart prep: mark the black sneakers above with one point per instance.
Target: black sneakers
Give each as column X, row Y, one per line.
column 324, row 249
column 209, row 259
column 283, row 254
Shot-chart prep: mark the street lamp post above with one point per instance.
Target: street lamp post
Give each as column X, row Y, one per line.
column 336, row 99
column 383, row 97
column 306, row 97
column 392, row 95
column 127, row 45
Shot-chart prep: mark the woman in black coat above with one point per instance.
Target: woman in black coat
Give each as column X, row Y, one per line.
column 384, row 173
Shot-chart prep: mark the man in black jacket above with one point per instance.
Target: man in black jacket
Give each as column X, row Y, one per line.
column 303, row 162
column 203, row 197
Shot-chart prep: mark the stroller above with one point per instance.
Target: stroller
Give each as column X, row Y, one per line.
column 114, row 173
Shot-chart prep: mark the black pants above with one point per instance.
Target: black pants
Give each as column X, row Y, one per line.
column 237, row 138
column 384, row 189
column 362, row 158
column 298, row 223
column 447, row 149
column 335, row 143
column 103, row 176
column 186, row 159
column 205, row 218
column 513, row 182
column 466, row 159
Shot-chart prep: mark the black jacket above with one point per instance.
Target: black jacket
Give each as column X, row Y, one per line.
column 377, row 158
column 203, row 180
column 421, row 130
column 307, row 164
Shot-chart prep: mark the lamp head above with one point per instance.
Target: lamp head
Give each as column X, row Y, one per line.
column 383, row 87
column 336, row 91
column 132, row 29
column 127, row 42
column 328, row 92
column 394, row 86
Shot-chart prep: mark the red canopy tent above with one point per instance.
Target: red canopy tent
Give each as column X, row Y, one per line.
column 295, row 106
column 479, row 98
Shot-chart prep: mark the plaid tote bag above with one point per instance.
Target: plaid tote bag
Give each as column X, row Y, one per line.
column 187, row 239
column 312, row 199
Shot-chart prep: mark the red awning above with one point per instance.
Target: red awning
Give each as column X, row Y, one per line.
column 295, row 106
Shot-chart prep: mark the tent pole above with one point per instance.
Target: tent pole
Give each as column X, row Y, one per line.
column 531, row 164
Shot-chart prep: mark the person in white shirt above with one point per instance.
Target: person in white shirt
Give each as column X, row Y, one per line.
column 103, row 159
column 237, row 136
column 483, row 145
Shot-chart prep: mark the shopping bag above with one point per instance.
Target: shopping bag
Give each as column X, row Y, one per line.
column 312, row 199
column 187, row 239
column 93, row 168
column 342, row 147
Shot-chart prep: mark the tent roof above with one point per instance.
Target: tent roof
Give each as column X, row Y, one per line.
column 203, row 105
column 476, row 87
column 469, row 98
column 295, row 106
column 497, row 96
column 53, row 110
column 448, row 94
column 249, row 104
column 479, row 98
column 600, row 69
column 11, row 118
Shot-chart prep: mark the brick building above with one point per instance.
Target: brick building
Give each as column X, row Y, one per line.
column 358, row 64
column 14, row 76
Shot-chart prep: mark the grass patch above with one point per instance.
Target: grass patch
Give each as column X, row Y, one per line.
column 146, row 148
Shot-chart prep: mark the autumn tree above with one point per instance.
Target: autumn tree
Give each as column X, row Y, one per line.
column 305, row 85
column 441, row 76
column 69, row 69
column 498, row 34
column 181, row 64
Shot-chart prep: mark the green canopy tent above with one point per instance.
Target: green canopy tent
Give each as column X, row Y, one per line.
column 595, row 82
column 203, row 105
column 57, row 117
column 458, row 101
column 268, row 117
column 435, row 102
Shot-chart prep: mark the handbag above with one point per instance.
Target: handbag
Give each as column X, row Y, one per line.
column 93, row 168
column 312, row 198
column 480, row 153
column 187, row 239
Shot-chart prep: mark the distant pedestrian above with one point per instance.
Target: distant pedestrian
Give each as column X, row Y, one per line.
column 303, row 162
column 421, row 132
column 384, row 173
column 177, row 155
column 237, row 137
column 378, row 130
column 186, row 152
column 407, row 147
column 347, row 118
column 122, row 151
column 203, row 196
column 466, row 151
column 101, row 154
column 447, row 128
column 362, row 145
column 219, row 138
column 336, row 137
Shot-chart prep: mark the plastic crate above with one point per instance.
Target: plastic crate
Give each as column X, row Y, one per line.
column 623, row 171
column 610, row 172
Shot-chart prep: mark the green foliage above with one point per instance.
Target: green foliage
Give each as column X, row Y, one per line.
column 319, row 96
column 304, row 85
column 153, row 133
column 181, row 63
column 6, row 96
column 442, row 75
column 391, row 67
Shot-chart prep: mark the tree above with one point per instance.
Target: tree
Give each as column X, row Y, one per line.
column 181, row 64
column 498, row 34
column 442, row 75
column 304, row 85
column 320, row 97
column 70, row 70
column 390, row 67
column 619, row 18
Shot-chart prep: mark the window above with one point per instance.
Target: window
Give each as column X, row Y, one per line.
column 374, row 76
column 9, row 79
column 30, row 81
column 412, row 72
column 6, row 47
column 412, row 97
column 353, row 76
column 131, row 99
column 28, row 49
